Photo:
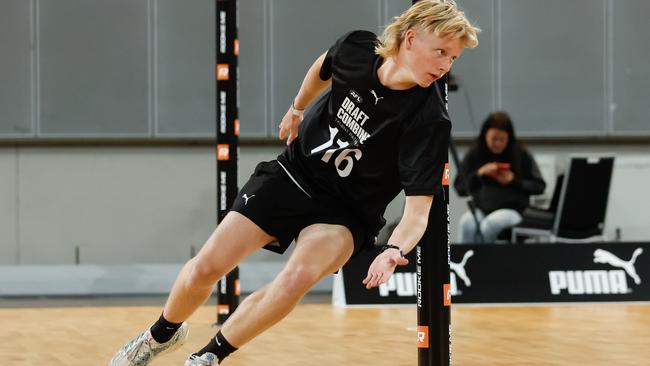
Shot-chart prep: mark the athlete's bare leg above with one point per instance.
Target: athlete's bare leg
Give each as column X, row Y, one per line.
column 234, row 239
column 321, row 249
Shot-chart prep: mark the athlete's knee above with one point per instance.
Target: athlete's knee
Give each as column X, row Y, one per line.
column 202, row 273
column 297, row 280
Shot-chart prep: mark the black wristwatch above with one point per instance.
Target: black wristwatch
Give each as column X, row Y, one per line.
column 390, row 246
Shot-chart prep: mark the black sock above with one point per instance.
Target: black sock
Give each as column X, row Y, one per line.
column 218, row 346
column 163, row 330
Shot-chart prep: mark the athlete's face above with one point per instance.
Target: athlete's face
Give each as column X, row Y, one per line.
column 428, row 56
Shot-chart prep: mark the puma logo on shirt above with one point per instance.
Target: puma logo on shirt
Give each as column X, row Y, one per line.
column 246, row 198
column 377, row 98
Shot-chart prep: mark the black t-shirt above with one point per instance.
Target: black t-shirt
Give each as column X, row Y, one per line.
column 361, row 143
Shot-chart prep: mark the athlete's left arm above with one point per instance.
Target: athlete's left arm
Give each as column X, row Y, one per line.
column 312, row 86
column 406, row 235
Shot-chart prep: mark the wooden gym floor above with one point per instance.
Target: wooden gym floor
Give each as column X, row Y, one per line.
column 320, row 334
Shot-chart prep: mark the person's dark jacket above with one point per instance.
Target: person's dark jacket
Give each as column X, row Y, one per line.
column 488, row 195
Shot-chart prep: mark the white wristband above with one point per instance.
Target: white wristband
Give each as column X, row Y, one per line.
column 296, row 112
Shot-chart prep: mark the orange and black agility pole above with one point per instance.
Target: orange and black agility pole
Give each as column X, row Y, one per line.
column 432, row 267
column 227, row 131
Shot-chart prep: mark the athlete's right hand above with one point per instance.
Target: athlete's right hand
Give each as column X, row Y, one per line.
column 289, row 126
column 383, row 267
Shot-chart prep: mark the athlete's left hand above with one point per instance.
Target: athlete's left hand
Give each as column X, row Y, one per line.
column 289, row 124
column 383, row 267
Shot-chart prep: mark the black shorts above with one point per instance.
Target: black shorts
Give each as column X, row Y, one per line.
column 279, row 207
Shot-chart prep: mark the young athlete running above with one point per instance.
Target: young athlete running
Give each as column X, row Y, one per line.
column 380, row 129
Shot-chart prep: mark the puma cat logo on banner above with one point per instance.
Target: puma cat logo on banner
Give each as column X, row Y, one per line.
column 603, row 256
column 597, row 282
column 459, row 268
column 377, row 98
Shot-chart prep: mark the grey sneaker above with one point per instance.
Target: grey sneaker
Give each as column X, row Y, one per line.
column 143, row 348
column 206, row 359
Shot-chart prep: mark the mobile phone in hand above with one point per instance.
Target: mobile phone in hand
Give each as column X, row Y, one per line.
column 503, row 166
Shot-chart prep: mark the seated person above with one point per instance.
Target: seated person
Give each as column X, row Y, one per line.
column 500, row 175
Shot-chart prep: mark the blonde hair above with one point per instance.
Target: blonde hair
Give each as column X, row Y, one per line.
column 442, row 17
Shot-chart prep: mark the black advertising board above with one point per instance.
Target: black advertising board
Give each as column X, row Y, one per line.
column 516, row 273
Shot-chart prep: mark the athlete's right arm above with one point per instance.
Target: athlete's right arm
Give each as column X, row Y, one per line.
column 311, row 87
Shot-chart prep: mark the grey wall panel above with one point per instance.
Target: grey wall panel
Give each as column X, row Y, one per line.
column 8, row 212
column 129, row 205
column 321, row 24
column 144, row 68
column 475, row 73
column 393, row 9
column 93, row 67
column 137, row 279
column 184, row 67
column 15, row 68
column 253, row 62
column 150, row 204
column 552, row 66
column 631, row 75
